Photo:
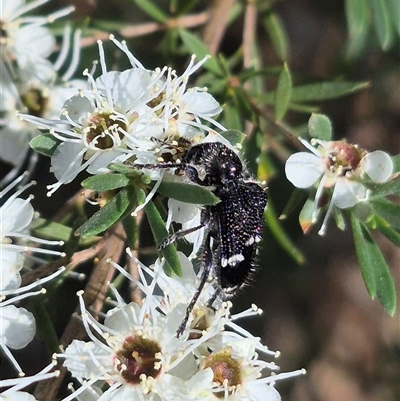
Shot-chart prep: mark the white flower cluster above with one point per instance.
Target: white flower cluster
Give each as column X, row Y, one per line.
column 30, row 83
column 137, row 354
column 132, row 114
column 341, row 167
column 17, row 325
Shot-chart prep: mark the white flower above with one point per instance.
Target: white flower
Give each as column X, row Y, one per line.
column 180, row 110
column 16, row 214
column 179, row 290
column 17, row 325
column 25, row 41
column 236, row 372
column 101, row 125
column 339, row 166
column 138, row 353
column 34, row 97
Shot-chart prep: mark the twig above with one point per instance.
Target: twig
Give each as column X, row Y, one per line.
column 187, row 21
column 216, row 25
column 111, row 247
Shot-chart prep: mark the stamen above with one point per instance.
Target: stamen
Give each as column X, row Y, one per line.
column 62, row 55
column 76, row 52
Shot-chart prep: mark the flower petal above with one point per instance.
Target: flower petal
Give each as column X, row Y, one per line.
column 78, row 108
column 347, row 193
column 378, row 165
column 64, row 164
column 17, row 328
column 200, row 103
column 86, row 359
column 11, row 262
column 16, row 216
column 303, row 169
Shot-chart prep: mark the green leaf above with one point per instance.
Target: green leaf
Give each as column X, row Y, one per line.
column 159, row 231
column 125, row 169
column 303, row 108
column 394, row 11
column 320, row 127
column 283, row 92
column 188, row 193
column 131, row 230
column 242, row 103
column 305, row 217
column 280, row 235
column 277, row 33
column 55, row 231
column 234, row 136
column 356, row 15
column 339, row 218
column 265, row 166
column 152, row 10
column 375, row 272
column 182, row 7
column 105, row 182
column 45, row 325
column 391, row 187
column 109, row 214
column 381, row 18
column 357, row 24
column 107, row 25
column 197, row 47
column 50, row 230
column 298, row 196
column 380, row 224
column 44, row 144
column 396, row 163
column 388, row 211
column 325, row 90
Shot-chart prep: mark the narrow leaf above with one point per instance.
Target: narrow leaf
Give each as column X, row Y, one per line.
column 388, row 188
column 356, row 15
column 382, row 24
column 234, row 136
column 374, row 269
column 388, row 211
column 44, row 144
column 298, row 196
column 152, row 10
column 396, row 163
column 275, row 226
column 320, row 127
column 188, row 193
column 305, row 217
column 105, row 182
column 394, row 11
column 112, row 212
column 283, row 92
column 358, row 25
column 197, row 47
column 277, row 33
column 159, row 233
column 325, row 90
column 50, row 230
column 45, row 325
column 380, row 224
column 339, row 218
column 125, row 169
